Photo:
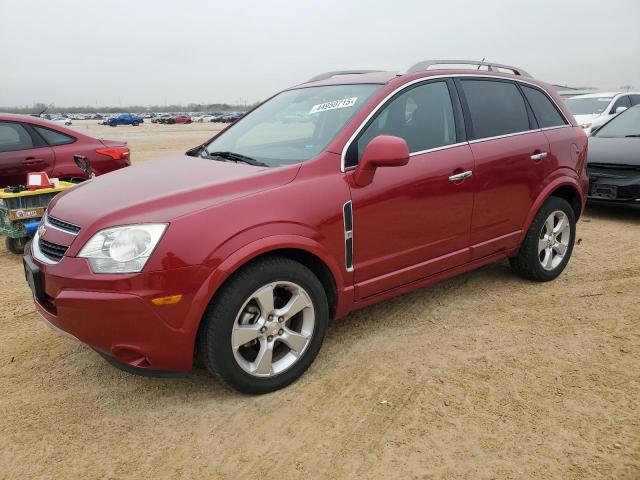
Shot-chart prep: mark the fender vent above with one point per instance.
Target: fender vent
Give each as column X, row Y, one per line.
column 347, row 214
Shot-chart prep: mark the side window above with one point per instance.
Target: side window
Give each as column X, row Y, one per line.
column 422, row 115
column 54, row 138
column 544, row 110
column 621, row 102
column 635, row 99
column 13, row 136
column 496, row 108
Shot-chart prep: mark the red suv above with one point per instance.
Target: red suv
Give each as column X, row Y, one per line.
column 332, row 195
column 29, row 144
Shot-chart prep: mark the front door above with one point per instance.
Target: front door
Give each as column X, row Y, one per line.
column 20, row 154
column 413, row 221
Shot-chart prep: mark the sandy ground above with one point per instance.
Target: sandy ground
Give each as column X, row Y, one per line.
column 485, row 376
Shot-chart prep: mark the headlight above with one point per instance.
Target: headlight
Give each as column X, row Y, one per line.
column 122, row 249
column 586, row 126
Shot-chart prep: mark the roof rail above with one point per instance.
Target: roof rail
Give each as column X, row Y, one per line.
column 491, row 66
column 326, row 75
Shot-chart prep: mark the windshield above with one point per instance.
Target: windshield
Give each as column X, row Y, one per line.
column 588, row 105
column 627, row 124
column 295, row 125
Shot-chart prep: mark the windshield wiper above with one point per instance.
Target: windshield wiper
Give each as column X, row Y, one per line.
column 634, row 135
column 235, row 157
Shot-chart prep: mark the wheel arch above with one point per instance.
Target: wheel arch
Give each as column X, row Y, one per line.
column 571, row 195
column 301, row 249
column 310, row 260
column 565, row 187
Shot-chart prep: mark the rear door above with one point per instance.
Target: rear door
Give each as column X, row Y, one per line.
column 511, row 161
column 413, row 221
column 21, row 152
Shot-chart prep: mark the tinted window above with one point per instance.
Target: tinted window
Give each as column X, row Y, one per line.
column 627, row 124
column 13, row 136
column 54, row 138
column 544, row 110
column 621, row 102
column 496, row 108
column 635, row 99
column 423, row 116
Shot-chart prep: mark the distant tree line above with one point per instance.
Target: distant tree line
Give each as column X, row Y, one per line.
column 191, row 107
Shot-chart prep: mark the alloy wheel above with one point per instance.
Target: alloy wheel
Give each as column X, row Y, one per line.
column 273, row 329
column 553, row 241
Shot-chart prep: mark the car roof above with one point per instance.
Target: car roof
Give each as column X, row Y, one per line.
column 384, row 77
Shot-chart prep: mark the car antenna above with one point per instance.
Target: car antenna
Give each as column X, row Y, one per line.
column 481, row 62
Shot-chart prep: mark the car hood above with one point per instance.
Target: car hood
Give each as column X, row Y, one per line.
column 582, row 119
column 162, row 190
column 614, row 151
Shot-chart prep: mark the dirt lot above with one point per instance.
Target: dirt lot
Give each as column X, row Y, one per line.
column 486, row 376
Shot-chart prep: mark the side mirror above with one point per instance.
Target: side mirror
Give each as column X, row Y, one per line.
column 620, row 110
column 382, row 151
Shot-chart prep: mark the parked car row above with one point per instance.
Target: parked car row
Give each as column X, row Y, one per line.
column 218, row 117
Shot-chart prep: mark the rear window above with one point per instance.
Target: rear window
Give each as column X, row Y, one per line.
column 54, row 138
column 496, row 108
column 544, row 110
column 13, row 136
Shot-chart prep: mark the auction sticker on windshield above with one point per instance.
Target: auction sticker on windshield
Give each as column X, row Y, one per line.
column 343, row 103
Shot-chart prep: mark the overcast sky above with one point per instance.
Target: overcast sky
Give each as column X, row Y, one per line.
column 122, row 52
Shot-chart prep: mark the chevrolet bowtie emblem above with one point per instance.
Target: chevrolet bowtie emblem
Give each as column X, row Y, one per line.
column 41, row 230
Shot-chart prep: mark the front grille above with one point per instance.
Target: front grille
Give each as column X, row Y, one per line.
column 62, row 225
column 628, row 192
column 51, row 250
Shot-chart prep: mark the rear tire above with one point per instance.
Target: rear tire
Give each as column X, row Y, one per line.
column 548, row 245
column 16, row 245
column 290, row 327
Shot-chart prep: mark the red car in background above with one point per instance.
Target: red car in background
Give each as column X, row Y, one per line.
column 29, row 144
column 179, row 119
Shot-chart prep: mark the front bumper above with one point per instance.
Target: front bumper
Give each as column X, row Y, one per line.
column 614, row 186
column 114, row 314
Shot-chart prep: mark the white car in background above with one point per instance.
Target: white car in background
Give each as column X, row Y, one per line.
column 594, row 109
column 60, row 120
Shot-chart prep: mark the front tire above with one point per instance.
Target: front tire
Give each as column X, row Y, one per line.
column 265, row 326
column 548, row 245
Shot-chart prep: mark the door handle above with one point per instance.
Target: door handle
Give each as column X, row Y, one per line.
column 539, row 156
column 460, row 176
column 31, row 161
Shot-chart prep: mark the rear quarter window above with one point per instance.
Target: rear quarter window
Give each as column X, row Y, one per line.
column 544, row 110
column 54, row 138
column 495, row 107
